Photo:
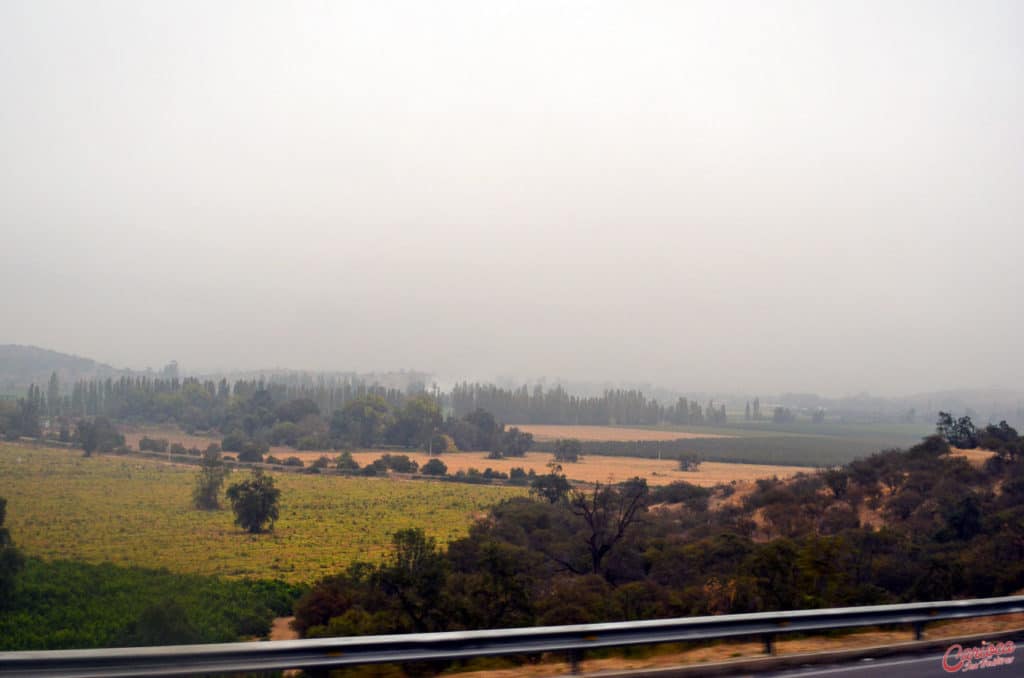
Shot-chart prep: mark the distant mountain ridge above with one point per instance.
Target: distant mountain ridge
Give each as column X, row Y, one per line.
column 24, row 365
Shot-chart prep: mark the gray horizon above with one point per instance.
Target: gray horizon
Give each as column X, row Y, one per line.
column 723, row 197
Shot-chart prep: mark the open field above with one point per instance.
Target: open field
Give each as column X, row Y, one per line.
column 758, row 444
column 977, row 456
column 595, row 468
column 549, row 432
column 802, row 450
column 603, row 469
column 137, row 512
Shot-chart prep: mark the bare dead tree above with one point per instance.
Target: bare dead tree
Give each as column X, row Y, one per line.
column 608, row 511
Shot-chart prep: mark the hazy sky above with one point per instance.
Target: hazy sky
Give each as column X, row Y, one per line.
column 823, row 196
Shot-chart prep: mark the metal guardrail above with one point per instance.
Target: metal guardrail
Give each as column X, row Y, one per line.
column 576, row 639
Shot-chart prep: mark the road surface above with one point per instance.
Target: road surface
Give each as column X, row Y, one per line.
column 912, row 666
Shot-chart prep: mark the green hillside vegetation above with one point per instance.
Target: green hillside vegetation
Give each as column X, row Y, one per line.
column 915, row 525
column 63, row 605
column 136, row 512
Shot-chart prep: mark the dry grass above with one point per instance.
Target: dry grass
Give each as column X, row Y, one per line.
column 549, row 432
column 977, row 456
column 600, row 468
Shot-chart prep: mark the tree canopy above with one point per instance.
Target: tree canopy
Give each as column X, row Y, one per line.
column 254, row 502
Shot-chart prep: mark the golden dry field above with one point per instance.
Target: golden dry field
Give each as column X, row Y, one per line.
column 592, row 468
column 596, row 468
column 549, row 432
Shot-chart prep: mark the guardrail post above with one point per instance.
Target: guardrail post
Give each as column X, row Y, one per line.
column 918, row 630
column 575, row 657
column 769, row 643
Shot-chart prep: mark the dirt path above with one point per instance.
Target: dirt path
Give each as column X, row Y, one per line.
column 282, row 630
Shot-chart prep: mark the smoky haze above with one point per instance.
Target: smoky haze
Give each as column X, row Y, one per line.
column 779, row 196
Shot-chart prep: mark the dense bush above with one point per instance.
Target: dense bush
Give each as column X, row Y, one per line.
column 568, row 450
column 254, row 502
column 147, row 444
column 434, row 467
column 63, row 604
column 347, row 464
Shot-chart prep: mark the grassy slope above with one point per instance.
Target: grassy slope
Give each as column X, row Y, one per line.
column 137, row 512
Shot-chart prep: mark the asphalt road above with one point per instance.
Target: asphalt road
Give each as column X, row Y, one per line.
column 916, row 666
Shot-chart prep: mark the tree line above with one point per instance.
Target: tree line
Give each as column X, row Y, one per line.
column 557, row 406
column 196, row 404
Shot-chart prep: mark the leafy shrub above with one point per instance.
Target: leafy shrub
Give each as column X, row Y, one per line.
column 152, row 445
column 440, row 443
column 253, row 451
column 98, row 435
column 254, row 502
column 399, row 463
column 434, row 467
column 347, row 464
column 64, row 604
column 692, row 496
column 568, row 450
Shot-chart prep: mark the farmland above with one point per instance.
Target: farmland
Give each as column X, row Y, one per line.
column 754, row 443
column 136, row 512
column 549, row 432
column 592, row 469
column 598, row 466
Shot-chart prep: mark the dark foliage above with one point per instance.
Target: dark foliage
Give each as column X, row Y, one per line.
column 434, row 467
column 209, row 481
column 600, row 554
column 11, row 559
column 98, row 435
column 254, row 502
column 568, row 450
column 62, row 604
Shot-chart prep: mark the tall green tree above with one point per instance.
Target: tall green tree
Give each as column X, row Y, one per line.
column 53, row 401
column 98, row 435
column 415, row 577
column 362, row 422
column 254, row 502
column 417, row 421
column 209, row 481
